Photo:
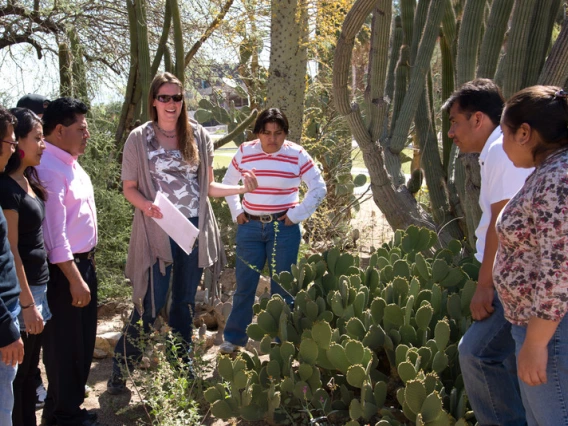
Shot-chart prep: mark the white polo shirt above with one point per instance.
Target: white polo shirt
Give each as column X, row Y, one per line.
column 500, row 180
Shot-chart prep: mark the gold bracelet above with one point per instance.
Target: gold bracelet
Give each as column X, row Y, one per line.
column 27, row 306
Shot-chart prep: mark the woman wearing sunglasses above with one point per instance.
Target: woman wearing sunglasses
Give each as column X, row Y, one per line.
column 22, row 198
column 174, row 155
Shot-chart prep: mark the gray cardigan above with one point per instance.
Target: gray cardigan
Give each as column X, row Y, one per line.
column 148, row 242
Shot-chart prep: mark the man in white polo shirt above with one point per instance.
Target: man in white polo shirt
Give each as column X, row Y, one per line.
column 487, row 350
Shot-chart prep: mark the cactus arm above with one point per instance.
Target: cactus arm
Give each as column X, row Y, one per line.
column 447, row 89
column 449, row 24
column 341, row 69
column 418, row 28
column 417, row 78
column 402, row 71
column 433, row 170
column 493, row 38
column 555, row 70
column 468, row 40
column 128, row 105
column 407, row 8
column 517, row 49
column 397, row 38
column 78, row 67
column 143, row 56
column 377, row 106
column 237, row 130
column 163, row 39
column 65, row 74
column 538, row 41
column 178, row 41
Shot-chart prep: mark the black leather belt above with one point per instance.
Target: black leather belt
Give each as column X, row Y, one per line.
column 265, row 218
column 84, row 256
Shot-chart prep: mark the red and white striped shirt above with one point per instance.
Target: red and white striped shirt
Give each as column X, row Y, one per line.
column 279, row 175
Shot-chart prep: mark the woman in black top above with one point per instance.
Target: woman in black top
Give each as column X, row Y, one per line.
column 22, row 199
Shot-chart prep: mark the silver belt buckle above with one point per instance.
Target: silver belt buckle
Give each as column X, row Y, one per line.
column 265, row 218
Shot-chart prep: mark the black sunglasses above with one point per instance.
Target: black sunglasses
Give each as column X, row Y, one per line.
column 166, row 98
column 15, row 143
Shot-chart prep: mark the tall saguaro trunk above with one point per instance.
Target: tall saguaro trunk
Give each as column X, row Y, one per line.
column 65, row 70
column 288, row 61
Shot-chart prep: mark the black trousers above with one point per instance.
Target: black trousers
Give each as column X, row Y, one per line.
column 68, row 345
column 25, row 382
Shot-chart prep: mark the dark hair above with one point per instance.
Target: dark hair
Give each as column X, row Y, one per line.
column 27, row 120
column 545, row 109
column 481, row 95
column 62, row 111
column 270, row 115
column 6, row 118
column 186, row 141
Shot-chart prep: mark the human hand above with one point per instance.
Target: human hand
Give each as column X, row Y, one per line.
column 531, row 363
column 152, row 210
column 80, row 294
column 249, row 180
column 13, row 353
column 241, row 219
column 32, row 320
column 481, row 305
column 286, row 219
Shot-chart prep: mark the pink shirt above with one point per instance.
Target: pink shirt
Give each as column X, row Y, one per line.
column 70, row 224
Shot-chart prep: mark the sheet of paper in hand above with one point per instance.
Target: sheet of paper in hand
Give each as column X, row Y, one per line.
column 175, row 224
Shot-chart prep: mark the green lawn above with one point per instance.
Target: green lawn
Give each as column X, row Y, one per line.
column 224, row 155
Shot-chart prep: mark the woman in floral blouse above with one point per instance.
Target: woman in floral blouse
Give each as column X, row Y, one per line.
column 531, row 267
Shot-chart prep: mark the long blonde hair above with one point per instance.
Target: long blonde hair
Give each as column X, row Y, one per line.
column 186, row 141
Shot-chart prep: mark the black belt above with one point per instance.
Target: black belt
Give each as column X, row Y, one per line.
column 89, row 255
column 265, row 218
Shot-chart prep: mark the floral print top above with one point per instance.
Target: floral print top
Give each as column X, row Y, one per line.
column 531, row 267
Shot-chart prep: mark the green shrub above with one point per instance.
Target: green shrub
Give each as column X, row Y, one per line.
column 114, row 214
column 361, row 344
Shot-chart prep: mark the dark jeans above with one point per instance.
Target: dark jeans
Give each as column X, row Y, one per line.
column 186, row 278
column 258, row 243
column 25, row 382
column 68, row 345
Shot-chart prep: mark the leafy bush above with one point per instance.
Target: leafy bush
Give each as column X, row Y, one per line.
column 167, row 382
column 377, row 343
column 102, row 163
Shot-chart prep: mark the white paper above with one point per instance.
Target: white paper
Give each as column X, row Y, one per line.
column 175, row 224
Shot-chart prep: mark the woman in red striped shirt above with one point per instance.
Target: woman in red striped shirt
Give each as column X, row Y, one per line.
column 269, row 217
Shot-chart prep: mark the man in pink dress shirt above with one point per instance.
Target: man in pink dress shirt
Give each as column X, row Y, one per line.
column 70, row 234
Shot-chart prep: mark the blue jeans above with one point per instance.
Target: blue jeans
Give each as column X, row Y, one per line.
column 547, row 404
column 7, row 376
column 39, row 293
column 488, row 366
column 186, row 279
column 257, row 243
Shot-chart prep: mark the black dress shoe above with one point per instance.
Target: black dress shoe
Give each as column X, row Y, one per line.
column 89, row 422
column 91, row 415
column 90, row 418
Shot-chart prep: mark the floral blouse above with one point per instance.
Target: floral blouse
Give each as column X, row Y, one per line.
column 531, row 268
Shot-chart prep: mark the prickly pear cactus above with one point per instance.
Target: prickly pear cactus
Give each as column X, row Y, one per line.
column 359, row 345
